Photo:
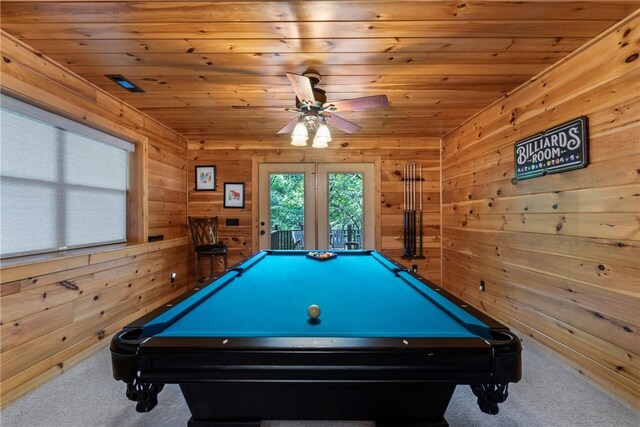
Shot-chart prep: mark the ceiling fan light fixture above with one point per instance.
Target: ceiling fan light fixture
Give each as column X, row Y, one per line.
column 322, row 138
column 313, row 111
column 300, row 135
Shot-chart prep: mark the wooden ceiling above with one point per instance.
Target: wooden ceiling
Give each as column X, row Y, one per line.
column 439, row 62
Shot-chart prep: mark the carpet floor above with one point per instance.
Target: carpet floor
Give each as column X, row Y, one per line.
column 550, row 395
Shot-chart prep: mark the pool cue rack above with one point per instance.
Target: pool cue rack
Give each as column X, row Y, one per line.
column 412, row 229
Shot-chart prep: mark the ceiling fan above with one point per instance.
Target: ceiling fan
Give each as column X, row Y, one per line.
column 314, row 112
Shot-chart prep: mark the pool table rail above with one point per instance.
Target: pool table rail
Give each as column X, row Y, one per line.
column 486, row 366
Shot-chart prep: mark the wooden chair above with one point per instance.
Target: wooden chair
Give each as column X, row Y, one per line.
column 298, row 239
column 206, row 243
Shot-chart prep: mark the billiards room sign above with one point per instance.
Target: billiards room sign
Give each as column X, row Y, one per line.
column 559, row 149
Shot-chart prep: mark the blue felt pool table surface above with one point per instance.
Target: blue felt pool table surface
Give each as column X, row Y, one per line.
column 360, row 294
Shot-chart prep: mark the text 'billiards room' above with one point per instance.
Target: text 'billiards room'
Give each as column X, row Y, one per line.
column 320, row 213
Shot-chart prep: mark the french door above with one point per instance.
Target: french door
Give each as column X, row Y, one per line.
column 287, row 205
column 316, row 206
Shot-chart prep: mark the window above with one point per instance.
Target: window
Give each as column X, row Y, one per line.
column 62, row 184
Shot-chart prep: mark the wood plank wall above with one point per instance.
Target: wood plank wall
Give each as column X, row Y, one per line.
column 558, row 254
column 234, row 161
column 56, row 312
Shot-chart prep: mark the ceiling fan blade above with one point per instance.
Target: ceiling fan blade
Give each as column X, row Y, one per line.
column 342, row 124
column 289, row 126
column 359, row 104
column 259, row 107
column 302, row 87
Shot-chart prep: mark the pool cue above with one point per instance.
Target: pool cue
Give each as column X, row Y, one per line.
column 409, row 211
column 414, row 223
column 411, row 208
column 421, row 231
column 407, row 214
column 404, row 210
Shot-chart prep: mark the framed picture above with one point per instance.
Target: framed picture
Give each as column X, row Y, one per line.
column 206, row 178
column 234, row 195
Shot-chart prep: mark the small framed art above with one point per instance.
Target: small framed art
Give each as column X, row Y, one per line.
column 234, row 195
column 206, row 178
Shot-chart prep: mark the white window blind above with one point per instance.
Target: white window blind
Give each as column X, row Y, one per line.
column 62, row 184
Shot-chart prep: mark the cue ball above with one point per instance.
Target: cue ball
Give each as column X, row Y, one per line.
column 313, row 311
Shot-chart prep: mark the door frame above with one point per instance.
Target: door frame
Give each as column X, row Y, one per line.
column 308, row 156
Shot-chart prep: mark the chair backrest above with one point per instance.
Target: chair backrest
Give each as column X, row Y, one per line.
column 204, row 231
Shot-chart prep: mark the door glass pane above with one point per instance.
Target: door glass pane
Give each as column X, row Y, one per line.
column 345, row 210
column 286, row 210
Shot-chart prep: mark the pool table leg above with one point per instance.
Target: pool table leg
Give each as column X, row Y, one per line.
column 222, row 423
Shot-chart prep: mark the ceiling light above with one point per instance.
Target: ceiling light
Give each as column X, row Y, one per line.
column 322, row 138
column 300, row 135
column 124, row 82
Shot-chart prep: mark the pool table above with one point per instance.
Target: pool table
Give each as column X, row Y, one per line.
column 388, row 345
